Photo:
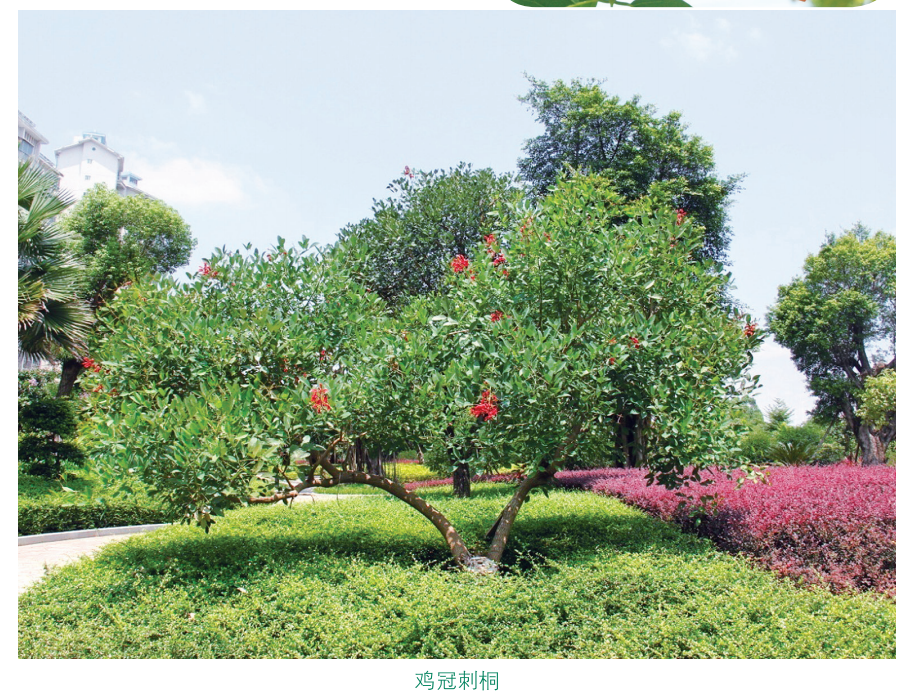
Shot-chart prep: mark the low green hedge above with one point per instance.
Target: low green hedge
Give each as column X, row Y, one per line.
column 37, row 517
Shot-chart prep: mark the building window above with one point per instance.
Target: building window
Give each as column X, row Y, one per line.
column 88, row 177
column 25, row 148
column 88, row 160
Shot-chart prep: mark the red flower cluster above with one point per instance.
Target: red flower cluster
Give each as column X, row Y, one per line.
column 680, row 219
column 487, row 407
column 496, row 316
column 91, row 364
column 498, row 259
column 459, row 264
column 750, row 329
column 635, row 342
column 490, row 240
column 408, row 172
column 207, row 271
column 319, row 399
column 833, row 525
column 322, row 355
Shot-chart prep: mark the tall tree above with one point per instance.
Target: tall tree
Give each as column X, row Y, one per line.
column 839, row 321
column 404, row 249
column 593, row 132
column 120, row 239
column 52, row 319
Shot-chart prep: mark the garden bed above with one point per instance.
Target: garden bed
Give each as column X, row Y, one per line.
column 586, row 577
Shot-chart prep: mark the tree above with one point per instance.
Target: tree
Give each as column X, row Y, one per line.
column 120, row 239
column 591, row 132
column 403, row 250
column 267, row 363
column 52, row 319
column 839, row 321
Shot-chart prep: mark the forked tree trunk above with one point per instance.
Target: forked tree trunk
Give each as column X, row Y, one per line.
column 499, row 532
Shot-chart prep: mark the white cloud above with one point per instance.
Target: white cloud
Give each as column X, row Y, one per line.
column 699, row 45
column 755, row 35
column 195, row 181
column 703, row 43
column 197, row 102
column 781, row 380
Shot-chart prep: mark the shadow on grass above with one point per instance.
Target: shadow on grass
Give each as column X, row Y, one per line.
column 273, row 539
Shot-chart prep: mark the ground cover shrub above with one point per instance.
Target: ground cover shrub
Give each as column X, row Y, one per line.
column 586, row 577
column 834, row 525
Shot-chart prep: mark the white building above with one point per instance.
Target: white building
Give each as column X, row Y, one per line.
column 89, row 162
column 30, row 143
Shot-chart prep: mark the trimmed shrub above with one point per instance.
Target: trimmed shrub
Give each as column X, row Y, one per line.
column 833, row 526
column 36, row 517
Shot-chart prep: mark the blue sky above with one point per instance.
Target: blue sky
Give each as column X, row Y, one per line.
column 258, row 125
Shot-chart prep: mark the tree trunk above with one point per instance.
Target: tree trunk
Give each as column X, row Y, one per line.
column 462, row 483
column 69, row 373
column 873, row 450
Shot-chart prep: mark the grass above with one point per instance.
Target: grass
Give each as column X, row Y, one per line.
column 586, row 577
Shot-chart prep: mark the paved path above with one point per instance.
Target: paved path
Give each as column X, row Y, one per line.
column 34, row 559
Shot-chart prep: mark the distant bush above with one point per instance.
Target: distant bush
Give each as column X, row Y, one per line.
column 834, row 525
column 46, row 424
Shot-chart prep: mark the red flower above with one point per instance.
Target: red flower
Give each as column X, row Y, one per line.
column 322, row 355
column 319, row 399
column 459, row 263
column 208, row 271
column 611, row 360
column 490, row 239
column 680, row 219
column 750, row 329
column 91, row 364
column 496, row 316
column 486, row 407
column 407, row 171
column 634, row 341
column 498, row 259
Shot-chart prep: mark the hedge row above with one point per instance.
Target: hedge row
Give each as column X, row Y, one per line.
column 37, row 517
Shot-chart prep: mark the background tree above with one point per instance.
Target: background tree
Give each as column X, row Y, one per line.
column 118, row 240
column 593, row 132
column 52, row 319
column 839, row 321
column 404, row 249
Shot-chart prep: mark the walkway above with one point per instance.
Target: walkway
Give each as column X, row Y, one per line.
column 35, row 559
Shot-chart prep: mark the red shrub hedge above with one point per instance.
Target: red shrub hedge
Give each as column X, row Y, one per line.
column 832, row 525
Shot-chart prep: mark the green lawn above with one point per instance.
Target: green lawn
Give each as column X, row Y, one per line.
column 587, row 577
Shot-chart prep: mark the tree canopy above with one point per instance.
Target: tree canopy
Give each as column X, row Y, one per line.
column 52, row 319
column 120, row 239
column 404, row 248
column 839, row 321
column 592, row 132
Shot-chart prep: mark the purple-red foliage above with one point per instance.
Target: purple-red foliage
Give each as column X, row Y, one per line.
column 833, row 525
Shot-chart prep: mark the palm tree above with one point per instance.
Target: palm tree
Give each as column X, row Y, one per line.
column 53, row 320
